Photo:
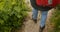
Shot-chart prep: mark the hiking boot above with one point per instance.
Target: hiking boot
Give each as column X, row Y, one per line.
column 35, row 20
column 41, row 29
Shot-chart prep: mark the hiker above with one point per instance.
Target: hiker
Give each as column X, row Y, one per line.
column 44, row 6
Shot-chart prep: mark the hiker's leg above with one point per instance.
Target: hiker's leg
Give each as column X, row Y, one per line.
column 43, row 18
column 34, row 13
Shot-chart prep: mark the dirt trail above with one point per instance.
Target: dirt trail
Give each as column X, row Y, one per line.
column 30, row 26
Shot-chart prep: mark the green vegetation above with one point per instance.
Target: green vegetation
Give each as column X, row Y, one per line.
column 12, row 14
column 56, row 19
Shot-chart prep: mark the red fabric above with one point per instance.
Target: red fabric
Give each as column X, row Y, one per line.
column 45, row 3
column 39, row 2
column 58, row 1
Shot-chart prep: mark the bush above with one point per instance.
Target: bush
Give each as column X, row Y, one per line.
column 56, row 19
column 12, row 14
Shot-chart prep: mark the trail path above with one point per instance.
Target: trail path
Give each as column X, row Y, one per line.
column 30, row 26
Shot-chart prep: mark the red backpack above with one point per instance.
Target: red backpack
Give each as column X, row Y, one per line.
column 52, row 3
column 58, row 1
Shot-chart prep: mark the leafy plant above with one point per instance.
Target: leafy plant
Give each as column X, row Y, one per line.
column 56, row 19
column 12, row 14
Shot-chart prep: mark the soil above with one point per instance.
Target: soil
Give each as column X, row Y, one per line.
column 30, row 26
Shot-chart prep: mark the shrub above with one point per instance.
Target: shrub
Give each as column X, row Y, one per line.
column 56, row 19
column 12, row 14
